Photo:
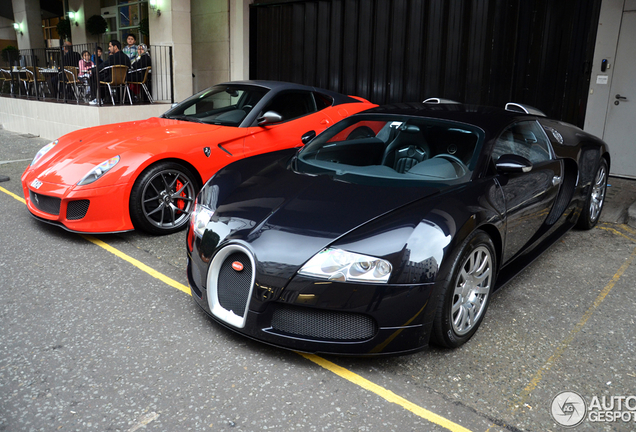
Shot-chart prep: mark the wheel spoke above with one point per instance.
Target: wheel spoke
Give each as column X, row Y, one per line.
column 159, row 207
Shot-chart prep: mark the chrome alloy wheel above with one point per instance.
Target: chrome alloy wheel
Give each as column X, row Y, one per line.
column 472, row 289
column 168, row 199
column 598, row 192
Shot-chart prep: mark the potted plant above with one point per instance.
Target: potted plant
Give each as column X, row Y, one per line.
column 64, row 28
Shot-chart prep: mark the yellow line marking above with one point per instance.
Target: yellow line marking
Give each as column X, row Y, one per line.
column 627, row 228
column 19, row 198
column 617, row 232
column 332, row 367
column 534, row 382
column 141, row 266
column 384, row 393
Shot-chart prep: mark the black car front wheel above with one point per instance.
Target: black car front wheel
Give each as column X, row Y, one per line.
column 466, row 294
column 163, row 198
column 593, row 206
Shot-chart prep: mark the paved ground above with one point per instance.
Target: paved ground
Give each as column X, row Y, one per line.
column 89, row 341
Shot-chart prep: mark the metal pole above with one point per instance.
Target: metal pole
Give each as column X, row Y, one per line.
column 171, row 78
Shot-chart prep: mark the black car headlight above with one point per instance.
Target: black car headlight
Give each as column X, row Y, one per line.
column 339, row 265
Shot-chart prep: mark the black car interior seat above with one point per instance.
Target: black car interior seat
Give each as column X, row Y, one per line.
column 407, row 149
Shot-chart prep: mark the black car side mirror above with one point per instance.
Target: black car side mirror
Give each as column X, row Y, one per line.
column 268, row 118
column 308, row 136
column 510, row 163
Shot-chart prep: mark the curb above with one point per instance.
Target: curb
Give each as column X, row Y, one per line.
column 631, row 215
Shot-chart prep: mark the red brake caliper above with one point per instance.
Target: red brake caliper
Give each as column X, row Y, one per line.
column 180, row 203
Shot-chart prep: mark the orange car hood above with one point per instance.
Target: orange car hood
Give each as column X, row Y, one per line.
column 80, row 151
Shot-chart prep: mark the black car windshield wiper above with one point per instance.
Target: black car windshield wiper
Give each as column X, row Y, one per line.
column 185, row 118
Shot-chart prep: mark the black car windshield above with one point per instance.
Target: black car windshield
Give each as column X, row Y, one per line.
column 226, row 105
column 377, row 148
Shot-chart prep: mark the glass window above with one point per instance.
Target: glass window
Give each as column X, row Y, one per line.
column 293, row 104
column 225, row 105
column 392, row 149
column 525, row 139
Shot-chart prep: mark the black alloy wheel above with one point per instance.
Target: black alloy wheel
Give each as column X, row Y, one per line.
column 163, row 198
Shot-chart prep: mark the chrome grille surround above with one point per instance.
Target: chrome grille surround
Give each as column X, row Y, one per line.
column 223, row 291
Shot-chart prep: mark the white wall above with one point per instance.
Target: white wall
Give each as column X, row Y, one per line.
column 52, row 120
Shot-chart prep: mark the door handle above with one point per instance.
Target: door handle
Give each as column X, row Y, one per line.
column 556, row 180
column 619, row 97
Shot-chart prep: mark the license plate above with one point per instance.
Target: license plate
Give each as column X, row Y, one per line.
column 36, row 184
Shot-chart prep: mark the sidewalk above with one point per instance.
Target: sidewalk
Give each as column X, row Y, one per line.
column 620, row 201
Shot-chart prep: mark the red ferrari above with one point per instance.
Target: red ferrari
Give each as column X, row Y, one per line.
column 146, row 174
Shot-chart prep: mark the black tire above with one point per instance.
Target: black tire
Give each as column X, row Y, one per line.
column 163, row 198
column 463, row 295
column 593, row 206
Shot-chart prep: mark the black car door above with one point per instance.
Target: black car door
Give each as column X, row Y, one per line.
column 529, row 196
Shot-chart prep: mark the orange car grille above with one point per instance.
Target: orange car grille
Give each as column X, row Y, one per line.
column 45, row 203
column 77, row 209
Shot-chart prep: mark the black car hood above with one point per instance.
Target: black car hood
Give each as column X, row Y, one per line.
column 287, row 217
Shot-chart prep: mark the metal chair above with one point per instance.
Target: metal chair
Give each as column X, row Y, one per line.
column 70, row 80
column 118, row 79
column 6, row 78
column 26, row 77
column 144, row 81
column 41, row 81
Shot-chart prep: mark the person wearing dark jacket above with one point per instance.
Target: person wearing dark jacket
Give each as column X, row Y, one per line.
column 115, row 57
column 70, row 58
column 139, row 65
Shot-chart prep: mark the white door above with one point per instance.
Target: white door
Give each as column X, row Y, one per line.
column 620, row 125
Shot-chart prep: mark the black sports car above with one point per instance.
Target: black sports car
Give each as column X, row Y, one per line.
column 391, row 228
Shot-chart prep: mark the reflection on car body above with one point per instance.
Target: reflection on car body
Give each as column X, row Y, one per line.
column 390, row 229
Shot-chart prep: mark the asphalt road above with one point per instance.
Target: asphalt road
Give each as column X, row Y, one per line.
column 92, row 342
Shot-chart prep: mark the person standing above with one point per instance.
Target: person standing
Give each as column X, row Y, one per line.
column 131, row 48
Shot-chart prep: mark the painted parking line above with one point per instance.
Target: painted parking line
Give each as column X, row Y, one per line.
column 332, row 367
column 523, row 397
column 384, row 393
column 141, row 266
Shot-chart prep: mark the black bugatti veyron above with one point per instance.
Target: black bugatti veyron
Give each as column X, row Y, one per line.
column 392, row 228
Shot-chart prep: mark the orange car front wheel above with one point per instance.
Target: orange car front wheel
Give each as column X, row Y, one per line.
column 163, row 197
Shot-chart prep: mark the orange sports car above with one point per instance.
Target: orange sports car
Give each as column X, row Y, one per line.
column 146, row 174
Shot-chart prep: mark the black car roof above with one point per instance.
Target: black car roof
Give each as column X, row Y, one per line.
column 491, row 119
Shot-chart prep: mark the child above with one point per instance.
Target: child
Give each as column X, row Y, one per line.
column 85, row 66
column 131, row 49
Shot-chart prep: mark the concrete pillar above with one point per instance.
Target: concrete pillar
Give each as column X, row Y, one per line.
column 27, row 14
column 210, row 42
column 239, row 39
column 173, row 28
column 84, row 9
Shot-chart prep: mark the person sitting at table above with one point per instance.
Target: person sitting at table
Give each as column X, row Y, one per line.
column 70, row 58
column 85, row 64
column 115, row 57
column 97, row 57
column 85, row 67
column 138, row 68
